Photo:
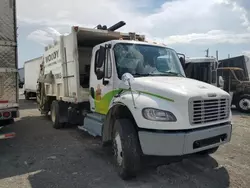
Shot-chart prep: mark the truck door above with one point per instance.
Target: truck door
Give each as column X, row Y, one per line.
column 101, row 80
column 226, row 76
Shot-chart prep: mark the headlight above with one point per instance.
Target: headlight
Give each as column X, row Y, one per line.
column 158, row 115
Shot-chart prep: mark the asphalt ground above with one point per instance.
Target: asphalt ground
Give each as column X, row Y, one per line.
column 42, row 157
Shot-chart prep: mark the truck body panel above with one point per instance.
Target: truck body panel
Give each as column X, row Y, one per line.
column 8, row 21
column 73, row 62
column 8, row 60
column 31, row 74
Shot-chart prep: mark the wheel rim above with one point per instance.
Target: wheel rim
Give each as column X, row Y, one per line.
column 118, row 153
column 244, row 104
column 53, row 115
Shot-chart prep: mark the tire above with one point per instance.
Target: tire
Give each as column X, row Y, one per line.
column 126, row 148
column 243, row 104
column 209, row 151
column 55, row 116
column 27, row 96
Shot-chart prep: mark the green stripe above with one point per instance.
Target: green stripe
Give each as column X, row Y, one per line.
column 158, row 96
column 154, row 95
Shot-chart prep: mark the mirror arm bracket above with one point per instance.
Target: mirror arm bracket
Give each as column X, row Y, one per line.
column 133, row 99
column 105, row 82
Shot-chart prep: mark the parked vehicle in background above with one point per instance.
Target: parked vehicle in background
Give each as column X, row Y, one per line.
column 202, row 68
column 238, row 85
column 233, row 80
column 242, row 62
column 21, row 77
column 9, row 105
column 31, row 74
column 133, row 94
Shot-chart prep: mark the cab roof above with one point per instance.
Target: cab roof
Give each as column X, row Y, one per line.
column 200, row 59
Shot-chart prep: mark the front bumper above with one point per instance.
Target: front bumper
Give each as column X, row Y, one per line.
column 184, row 142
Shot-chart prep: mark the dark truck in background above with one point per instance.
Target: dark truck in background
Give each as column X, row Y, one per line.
column 231, row 75
column 242, row 62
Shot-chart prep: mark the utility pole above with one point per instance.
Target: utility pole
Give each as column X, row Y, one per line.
column 207, row 52
column 217, row 55
column 228, row 55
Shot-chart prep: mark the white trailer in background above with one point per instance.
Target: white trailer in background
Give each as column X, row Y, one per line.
column 31, row 74
column 9, row 107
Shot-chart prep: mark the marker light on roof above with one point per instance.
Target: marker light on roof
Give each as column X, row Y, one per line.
column 76, row 28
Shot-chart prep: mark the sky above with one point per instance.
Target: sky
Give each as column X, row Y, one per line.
column 188, row 26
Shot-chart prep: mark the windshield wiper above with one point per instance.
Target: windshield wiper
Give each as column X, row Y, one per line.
column 149, row 74
column 174, row 73
column 138, row 74
column 159, row 74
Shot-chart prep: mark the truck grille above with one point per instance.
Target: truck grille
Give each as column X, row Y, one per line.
column 209, row 110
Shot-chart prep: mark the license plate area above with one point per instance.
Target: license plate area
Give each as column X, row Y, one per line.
column 209, row 141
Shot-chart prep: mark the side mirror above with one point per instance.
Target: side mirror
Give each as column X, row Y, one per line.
column 127, row 78
column 215, row 65
column 221, row 81
column 99, row 74
column 182, row 60
column 101, row 57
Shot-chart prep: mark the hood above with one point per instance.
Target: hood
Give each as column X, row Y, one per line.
column 243, row 86
column 245, row 82
column 176, row 86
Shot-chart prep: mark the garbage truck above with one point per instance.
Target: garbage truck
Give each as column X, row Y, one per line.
column 133, row 94
column 9, row 105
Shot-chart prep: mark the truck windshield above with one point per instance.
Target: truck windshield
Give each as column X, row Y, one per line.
column 146, row 60
column 240, row 75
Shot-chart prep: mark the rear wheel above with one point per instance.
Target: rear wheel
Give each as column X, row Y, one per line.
column 126, row 147
column 55, row 116
column 243, row 104
column 27, row 96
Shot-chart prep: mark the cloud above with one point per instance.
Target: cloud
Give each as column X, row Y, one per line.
column 211, row 37
column 44, row 37
column 245, row 5
column 247, row 53
column 172, row 22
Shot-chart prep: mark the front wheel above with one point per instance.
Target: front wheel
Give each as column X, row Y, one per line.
column 243, row 104
column 126, row 147
column 55, row 116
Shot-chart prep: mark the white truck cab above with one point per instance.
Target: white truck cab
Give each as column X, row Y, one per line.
column 133, row 94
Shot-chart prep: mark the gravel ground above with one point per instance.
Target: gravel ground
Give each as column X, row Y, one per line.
column 41, row 156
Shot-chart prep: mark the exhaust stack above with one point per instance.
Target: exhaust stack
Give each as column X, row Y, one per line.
column 116, row 26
